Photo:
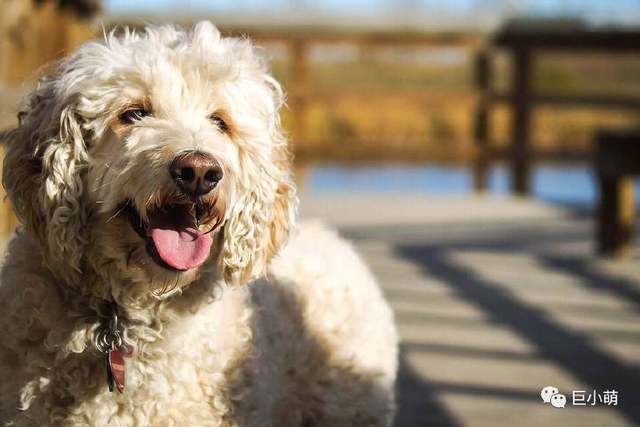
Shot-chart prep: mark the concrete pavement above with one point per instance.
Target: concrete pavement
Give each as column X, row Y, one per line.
column 494, row 300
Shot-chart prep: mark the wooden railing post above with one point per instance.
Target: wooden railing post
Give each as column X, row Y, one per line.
column 299, row 88
column 482, row 72
column 616, row 214
column 616, row 163
column 520, row 122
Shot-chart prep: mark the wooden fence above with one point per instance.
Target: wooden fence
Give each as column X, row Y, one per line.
column 299, row 41
column 32, row 34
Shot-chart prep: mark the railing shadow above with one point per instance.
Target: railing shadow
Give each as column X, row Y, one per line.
column 592, row 279
column 572, row 351
column 418, row 404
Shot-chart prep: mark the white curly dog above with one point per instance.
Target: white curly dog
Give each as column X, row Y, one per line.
column 153, row 182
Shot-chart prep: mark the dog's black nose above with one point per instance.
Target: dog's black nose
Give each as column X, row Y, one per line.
column 195, row 173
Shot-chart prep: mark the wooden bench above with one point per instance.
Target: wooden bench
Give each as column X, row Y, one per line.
column 617, row 160
column 525, row 42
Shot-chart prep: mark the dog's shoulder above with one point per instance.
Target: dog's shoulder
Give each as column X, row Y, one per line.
column 313, row 249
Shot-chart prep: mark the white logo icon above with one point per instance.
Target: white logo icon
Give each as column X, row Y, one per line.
column 551, row 394
column 548, row 392
column 558, row 400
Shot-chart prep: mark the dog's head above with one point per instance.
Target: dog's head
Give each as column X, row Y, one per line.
column 153, row 157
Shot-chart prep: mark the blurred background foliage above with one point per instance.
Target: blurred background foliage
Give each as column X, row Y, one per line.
column 362, row 102
column 355, row 100
column 416, row 103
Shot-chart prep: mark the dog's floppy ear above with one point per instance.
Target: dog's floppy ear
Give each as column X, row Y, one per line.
column 43, row 175
column 260, row 222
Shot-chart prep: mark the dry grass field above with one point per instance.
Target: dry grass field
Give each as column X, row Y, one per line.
column 416, row 104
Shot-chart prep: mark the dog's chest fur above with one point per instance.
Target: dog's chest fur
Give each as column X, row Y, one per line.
column 301, row 349
column 192, row 375
column 189, row 371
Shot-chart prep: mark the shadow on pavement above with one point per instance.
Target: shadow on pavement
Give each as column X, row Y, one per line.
column 570, row 350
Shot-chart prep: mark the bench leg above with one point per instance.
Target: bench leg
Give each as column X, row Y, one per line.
column 616, row 215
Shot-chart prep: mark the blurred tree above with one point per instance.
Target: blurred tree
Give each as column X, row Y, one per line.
column 33, row 33
column 84, row 8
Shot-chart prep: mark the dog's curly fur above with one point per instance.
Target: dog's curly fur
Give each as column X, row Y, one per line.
column 271, row 330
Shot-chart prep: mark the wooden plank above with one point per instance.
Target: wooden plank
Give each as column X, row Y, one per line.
column 316, row 33
column 440, row 291
column 498, row 153
column 585, row 40
column 587, row 101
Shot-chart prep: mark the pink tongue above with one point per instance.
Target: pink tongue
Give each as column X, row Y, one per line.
column 181, row 247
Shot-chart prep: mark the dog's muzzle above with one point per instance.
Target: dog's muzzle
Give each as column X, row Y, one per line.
column 177, row 230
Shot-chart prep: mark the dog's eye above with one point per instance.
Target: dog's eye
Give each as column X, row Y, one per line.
column 219, row 123
column 133, row 115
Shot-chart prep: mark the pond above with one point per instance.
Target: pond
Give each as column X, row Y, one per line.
column 572, row 184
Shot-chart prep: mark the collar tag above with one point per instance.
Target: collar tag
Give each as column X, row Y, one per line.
column 115, row 370
column 109, row 342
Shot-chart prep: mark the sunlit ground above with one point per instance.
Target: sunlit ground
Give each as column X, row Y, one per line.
column 495, row 298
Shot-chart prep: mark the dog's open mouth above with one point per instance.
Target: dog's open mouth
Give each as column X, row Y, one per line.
column 173, row 236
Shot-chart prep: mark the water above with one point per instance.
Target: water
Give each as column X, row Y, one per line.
column 555, row 183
